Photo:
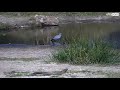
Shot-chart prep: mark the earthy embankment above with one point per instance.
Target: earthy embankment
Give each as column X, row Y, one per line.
column 22, row 62
column 27, row 22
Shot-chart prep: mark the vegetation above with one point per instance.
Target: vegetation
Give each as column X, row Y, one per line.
column 85, row 51
column 78, row 51
column 5, row 26
column 53, row 13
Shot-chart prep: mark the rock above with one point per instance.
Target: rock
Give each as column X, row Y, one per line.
column 27, row 22
column 50, row 73
column 46, row 20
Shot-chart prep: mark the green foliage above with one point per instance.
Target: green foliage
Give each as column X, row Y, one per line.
column 4, row 26
column 87, row 52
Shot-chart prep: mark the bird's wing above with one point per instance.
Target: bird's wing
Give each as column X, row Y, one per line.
column 57, row 37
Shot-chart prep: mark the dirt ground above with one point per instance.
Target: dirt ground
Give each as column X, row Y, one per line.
column 37, row 58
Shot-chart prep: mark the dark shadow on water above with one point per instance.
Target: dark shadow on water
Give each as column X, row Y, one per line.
column 22, row 46
column 13, row 45
column 114, row 39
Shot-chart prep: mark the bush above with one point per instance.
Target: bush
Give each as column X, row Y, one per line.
column 86, row 52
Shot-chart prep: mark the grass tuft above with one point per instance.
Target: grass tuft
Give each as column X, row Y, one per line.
column 87, row 52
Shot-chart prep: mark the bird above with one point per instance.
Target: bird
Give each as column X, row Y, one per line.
column 55, row 38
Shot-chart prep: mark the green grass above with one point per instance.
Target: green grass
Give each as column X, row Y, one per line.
column 87, row 52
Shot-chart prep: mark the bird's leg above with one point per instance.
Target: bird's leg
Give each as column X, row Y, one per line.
column 53, row 42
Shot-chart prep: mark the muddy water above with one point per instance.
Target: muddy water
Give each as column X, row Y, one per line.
column 38, row 36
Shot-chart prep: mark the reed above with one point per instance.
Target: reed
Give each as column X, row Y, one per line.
column 85, row 51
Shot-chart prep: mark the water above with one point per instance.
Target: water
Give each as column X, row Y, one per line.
column 38, row 36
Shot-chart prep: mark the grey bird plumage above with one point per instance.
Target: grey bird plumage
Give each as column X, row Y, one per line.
column 56, row 38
